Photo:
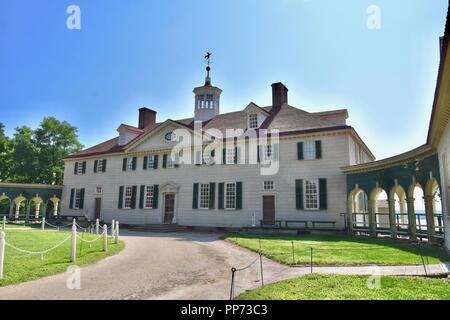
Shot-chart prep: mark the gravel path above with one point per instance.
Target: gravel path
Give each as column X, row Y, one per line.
column 177, row 266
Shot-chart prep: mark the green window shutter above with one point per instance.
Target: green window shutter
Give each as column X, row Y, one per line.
column 299, row 194
column 141, row 197
column 75, row 169
column 95, row 166
column 165, row 161
column 144, row 165
column 300, row 151
column 155, row 196
column 133, row 197
column 212, row 195
column 134, row 163
column 121, row 197
column 323, row 201
column 72, row 195
column 124, row 164
column 82, row 198
column 259, row 153
column 221, row 195
column 236, row 155
column 238, row 195
column 224, row 156
column 195, row 197
column 84, row 167
column 318, row 149
column 104, row 165
column 155, row 163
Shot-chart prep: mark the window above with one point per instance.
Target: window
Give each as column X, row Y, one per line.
column 210, row 101
column 269, row 185
column 253, row 120
column 99, row 190
column 129, row 164
column 151, row 162
column 77, row 202
column 204, row 196
column 170, row 162
column 230, row 156
column 230, row 196
column 201, row 101
column 80, row 166
column 311, row 194
column 206, row 158
column 127, row 197
column 148, row 197
column 309, row 150
column 267, row 153
column 99, row 166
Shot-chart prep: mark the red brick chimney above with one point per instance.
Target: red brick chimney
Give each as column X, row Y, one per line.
column 146, row 117
column 279, row 94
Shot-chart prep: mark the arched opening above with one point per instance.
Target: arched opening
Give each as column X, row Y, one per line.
column 20, row 208
column 380, row 203
column 36, row 208
column 419, row 209
column 398, row 195
column 52, row 208
column 358, row 204
column 433, row 193
column 5, row 204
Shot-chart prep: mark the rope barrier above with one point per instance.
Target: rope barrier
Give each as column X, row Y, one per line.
column 53, row 226
column 38, row 252
column 89, row 241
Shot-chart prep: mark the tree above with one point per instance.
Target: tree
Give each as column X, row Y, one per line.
column 25, row 165
column 36, row 156
column 54, row 140
column 5, row 155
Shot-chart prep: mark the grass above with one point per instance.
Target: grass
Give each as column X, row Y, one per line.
column 343, row 287
column 339, row 249
column 20, row 267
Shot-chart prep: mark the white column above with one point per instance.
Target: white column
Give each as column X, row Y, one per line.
column 2, row 252
column 116, row 237
column 97, row 225
column 105, row 238
column 73, row 244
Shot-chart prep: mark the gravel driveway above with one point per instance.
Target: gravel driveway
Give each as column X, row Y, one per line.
column 175, row 266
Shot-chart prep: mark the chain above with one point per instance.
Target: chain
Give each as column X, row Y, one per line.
column 38, row 252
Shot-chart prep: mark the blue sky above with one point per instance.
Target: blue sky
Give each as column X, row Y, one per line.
column 137, row 53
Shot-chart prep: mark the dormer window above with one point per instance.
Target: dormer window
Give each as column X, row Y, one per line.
column 253, row 121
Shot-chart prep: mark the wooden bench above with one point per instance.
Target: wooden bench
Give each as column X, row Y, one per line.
column 332, row 223
column 305, row 222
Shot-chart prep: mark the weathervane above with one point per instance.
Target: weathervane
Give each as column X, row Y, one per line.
column 208, row 58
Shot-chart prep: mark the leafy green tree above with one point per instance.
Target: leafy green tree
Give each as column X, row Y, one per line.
column 55, row 140
column 25, row 155
column 5, row 155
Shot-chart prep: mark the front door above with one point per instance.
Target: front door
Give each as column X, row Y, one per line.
column 98, row 208
column 169, row 207
column 269, row 210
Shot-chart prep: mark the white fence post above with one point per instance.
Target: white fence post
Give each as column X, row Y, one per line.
column 105, row 238
column 4, row 223
column 113, row 228
column 116, row 235
column 74, row 221
column 97, row 224
column 2, row 252
column 43, row 223
column 73, row 244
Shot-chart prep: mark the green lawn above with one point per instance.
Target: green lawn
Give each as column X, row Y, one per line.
column 339, row 249
column 20, row 267
column 340, row 287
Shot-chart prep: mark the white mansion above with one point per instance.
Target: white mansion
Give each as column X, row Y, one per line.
column 138, row 178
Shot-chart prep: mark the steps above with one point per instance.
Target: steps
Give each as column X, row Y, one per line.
column 163, row 228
